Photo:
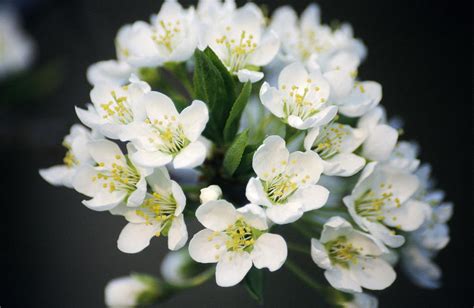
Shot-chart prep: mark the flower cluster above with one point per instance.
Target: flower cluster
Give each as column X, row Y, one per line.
column 274, row 129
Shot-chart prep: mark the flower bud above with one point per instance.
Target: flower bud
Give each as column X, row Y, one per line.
column 210, row 193
column 361, row 300
column 133, row 290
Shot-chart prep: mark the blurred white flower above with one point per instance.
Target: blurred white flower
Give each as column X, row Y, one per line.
column 335, row 144
column 16, row 47
column 418, row 265
column 114, row 107
column 381, row 138
column 165, row 135
column 301, row 99
column 172, row 36
column 114, row 179
column 351, row 259
column 241, row 42
column 362, row 300
column 380, row 202
column 404, row 157
column 111, row 72
column 161, row 213
column 210, row 193
column 236, row 239
column 76, row 156
column 285, row 183
column 131, row 291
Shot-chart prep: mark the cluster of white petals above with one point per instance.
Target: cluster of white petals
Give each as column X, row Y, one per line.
column 313, row 149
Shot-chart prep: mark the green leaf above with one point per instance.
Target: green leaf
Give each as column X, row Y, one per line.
column 233, row 155
column 214, row 85
column 245, row 168
column 232, row 123
column 254, row 284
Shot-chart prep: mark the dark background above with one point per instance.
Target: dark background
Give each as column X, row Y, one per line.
column 57, row 253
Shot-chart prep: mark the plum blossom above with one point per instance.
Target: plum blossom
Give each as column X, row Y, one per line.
column 404, row 157
column 335, row 144
column 286, row 183
column 351, row 259
column 131, row 291
column 172, row 36
column 161, row 213
column 114, row 107
column 301, row 99
column 241, row 42
column 381, row 201
column 112, row 72
column 166, row 136
column 113, row 179
column 76, row 156
column 235, row 239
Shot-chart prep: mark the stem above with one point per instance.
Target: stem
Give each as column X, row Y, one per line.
column 197, row 280
column 298, row 248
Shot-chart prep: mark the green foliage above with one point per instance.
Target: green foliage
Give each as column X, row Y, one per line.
column 254, row 282
column 232, row 123
column 234, row 154
column 214, row 85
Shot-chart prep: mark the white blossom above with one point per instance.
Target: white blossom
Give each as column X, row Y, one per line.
column 172, row 36
column 128, row 291
column 351, row 258
column 241, row 42
column 114, row 107
column 335, row 144
column 112, row 72
column 381, row 138
column 418, row 265
column 16, row 47
column 161, row 213
column 235, row 239
column 166, row 136
column 404, row 157
column 286, row 183
column 380, row 202
column 301, row 99
column 210, row 193
column 362, row 300
column 114, row 178
column 76, row 156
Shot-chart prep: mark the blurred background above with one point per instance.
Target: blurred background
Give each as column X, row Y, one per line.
column 57, row 253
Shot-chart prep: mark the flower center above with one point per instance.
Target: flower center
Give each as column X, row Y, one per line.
column 69, row 159
column 341, row 252
column 158, row 208
column 280, row 188
column 297, row 102
column 237, row 50
column 170, row 137
column 311, row 42
column 329, row 141
column 118, row 177
column 241, row 236
column 166, row 33
column 371, row 203
column 118, row 110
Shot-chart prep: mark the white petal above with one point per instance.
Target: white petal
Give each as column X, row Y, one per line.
column 312, row 197
column 380, row 143
column 293, row 74
column 232, row 268
column 194, row 119
column 136, row 198
column 373, row 273
column 58, row 175
column 269, row 251
column 83, row 183
column 178, row 233
column 254, row 216
column 385, row 235
column 207, row 246
column 343, row 164
column 245, row 75
column 89, row 118
column 159, row 179
column 285, row 213
column 191, row 156
column 360, row 101
column 255, row 193
column 216, row 215
column 104, row 200
column 341, row 83
column 271, row 158
column 365, row 243
column 158, row 106
column 179, row 197
column 319, row 254
column 408, row 217
column 305, row 168
column 266, row 50
column 342, row 279
column 272, row 100
column 136, row 237
column 336, row 226
column 310, row 138
column 107, row 152
column 150, row 159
